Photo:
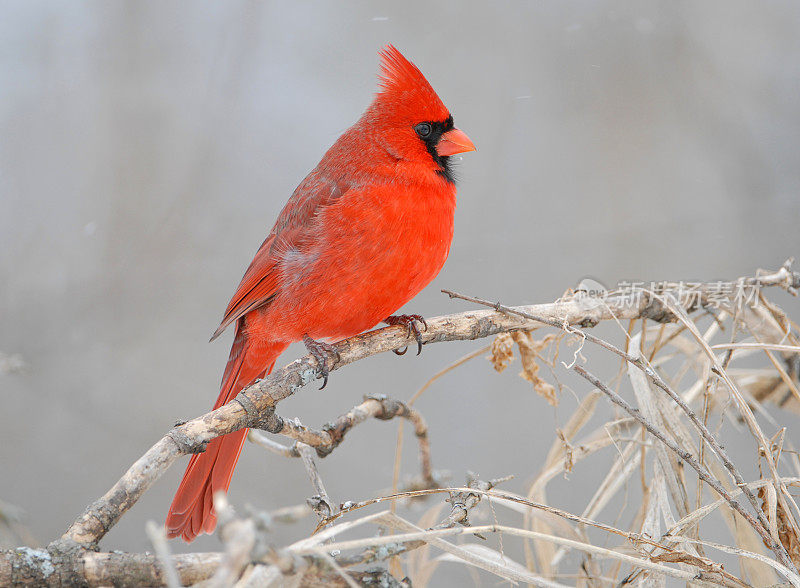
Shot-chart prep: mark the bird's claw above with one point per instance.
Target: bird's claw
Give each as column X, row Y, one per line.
column 410, row 321
column 322, row 352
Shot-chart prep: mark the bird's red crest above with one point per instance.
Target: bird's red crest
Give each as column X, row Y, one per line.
column 406, row 89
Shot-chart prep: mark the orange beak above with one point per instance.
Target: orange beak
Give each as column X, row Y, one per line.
column 454, row 141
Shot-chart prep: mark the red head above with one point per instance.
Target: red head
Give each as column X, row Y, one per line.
column 411, row 119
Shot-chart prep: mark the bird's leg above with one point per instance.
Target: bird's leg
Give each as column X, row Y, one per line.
column 410, row 321
column 322, row 352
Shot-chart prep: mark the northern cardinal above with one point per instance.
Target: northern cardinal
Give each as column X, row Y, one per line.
column 361, row 235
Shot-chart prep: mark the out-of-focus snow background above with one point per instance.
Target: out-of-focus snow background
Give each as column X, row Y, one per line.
column 146, row 148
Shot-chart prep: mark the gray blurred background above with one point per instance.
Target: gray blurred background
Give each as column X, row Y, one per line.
column 146, row 148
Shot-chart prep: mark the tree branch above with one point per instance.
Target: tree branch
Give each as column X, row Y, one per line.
column 704, row 474
column 52, row 567
column 761, row 525
column 255, row 406
column 307, row 440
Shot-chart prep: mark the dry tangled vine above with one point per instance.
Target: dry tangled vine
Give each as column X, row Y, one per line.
column 681, row 366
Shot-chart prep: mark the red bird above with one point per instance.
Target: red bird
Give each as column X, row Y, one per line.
column 362, row 234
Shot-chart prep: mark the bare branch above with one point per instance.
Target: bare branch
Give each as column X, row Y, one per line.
column 671, row 304
column 68, row 561
column 265, row 394
column 704, row 474
column 52, row 567
column 159, row 540
column 320, row 503
column 376, row 406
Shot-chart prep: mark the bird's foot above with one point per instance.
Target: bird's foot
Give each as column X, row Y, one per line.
column 322, row 352
column 410, row 321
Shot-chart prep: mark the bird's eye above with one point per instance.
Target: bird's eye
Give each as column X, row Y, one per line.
column 423, row 130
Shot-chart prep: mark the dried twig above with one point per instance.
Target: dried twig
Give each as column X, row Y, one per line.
column 704, row 474
column 320, row 502
column 376, row 406
column 239, row 537
column 255, row 407
column 257, row 402
column 761, row 525
column 158, row 538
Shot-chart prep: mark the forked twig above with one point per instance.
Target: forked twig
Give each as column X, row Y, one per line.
column 761, row 525
column 255, row 407
column 704, row 474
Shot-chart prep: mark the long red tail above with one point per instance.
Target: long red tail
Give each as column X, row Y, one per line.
column 191, row 512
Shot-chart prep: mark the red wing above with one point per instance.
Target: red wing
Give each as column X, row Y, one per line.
column 261, row 281
column 259, row 285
